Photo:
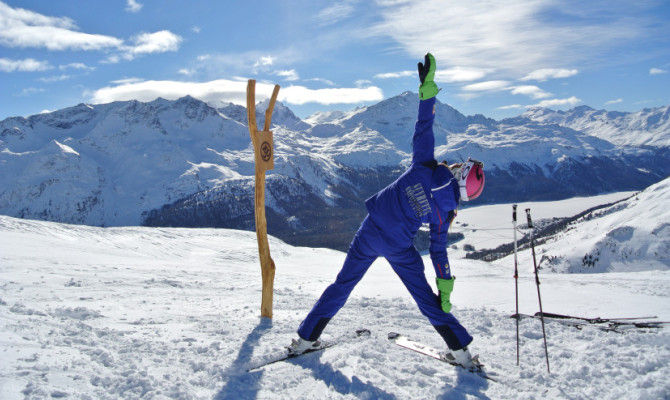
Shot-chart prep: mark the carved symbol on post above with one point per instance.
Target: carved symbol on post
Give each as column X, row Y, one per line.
column 266, row 151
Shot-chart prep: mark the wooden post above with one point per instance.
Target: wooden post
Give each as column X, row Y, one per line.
column 264, row 160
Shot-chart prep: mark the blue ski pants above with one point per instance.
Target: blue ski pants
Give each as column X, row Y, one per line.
column 367, row 245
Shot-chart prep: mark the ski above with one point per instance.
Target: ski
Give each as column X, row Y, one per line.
column 596, row 320
column 607, row 325
column 404, row 341
column 284, row 354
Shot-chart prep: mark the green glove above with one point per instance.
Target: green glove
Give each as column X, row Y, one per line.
column 445, row 286
column 428, row 88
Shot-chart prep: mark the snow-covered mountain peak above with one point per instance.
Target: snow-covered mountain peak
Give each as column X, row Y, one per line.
column 325, row 117
column 581, row 109
column 650, row 127
column 119, row 161
column 281, row 116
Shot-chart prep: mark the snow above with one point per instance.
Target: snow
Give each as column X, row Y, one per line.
column 134, row 312
column 647, row 127
column 65, row 148
column 118, row 161
column 633, row 235
column 479, row 231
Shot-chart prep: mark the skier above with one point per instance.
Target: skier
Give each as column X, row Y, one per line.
column 428, row 192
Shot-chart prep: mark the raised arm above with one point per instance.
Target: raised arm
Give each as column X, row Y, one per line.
column 423, row 142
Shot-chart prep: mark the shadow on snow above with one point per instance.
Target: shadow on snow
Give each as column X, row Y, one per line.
column 337, row 381
column 245, row 386
column 467, row 386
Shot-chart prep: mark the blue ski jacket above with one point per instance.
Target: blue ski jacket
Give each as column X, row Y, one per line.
column 426, row 193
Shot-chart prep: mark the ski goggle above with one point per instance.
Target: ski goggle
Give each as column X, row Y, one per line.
column 470, row 176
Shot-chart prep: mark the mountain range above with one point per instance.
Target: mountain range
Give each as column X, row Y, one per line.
column 186, row 163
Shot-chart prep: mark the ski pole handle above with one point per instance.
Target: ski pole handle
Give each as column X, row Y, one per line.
column 514, row 212
column 530, row 222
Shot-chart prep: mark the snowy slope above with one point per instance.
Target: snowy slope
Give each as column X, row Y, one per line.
column 478, row 230
column 173, row 313
column 633, row 235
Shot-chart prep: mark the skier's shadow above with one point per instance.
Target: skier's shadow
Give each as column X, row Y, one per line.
column 337, row 381
column 244, row 385
column 467, row 386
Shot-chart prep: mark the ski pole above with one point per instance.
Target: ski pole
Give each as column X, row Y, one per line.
column 537, row 283
column 516, row 285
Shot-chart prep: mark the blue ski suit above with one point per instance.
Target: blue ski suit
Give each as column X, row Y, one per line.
column 425, row 193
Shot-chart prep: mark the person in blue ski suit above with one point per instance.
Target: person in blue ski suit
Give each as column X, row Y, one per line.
column 426, row 193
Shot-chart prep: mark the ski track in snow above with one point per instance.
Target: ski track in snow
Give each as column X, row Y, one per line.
column 112, row 313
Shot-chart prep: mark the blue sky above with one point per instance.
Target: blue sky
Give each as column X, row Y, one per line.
column 494, row 57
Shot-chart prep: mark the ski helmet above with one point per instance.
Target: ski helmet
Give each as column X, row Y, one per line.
column 470, row 176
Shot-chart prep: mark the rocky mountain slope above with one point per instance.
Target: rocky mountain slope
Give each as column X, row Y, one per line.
column 185, row 163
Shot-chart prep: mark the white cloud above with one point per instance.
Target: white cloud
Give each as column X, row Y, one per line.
column 56, row 78
column 549, row 73
column 264, row 61
column 530, row 90
column 486, row 86
column 222, row 91
column 133, row 6
column 510, row 107
column 512, row 37
column 249, row 62
column 322, row 80
column 186, row 71
column 445, row 75
column 394, row 75
column 196, row 29
column 25, row 65
column 616, row 101
column 125, row 81
column 157, row 42
column 113, row 59
column 301, row 95
column 362, row 83
column 475, row 89
column 459, row 74
column 16, row 16
column 335, row 13
column 30, row 91
column 25, row 28
column 570, row 101
column 657, row 71
column 289, row 75
column 81, row 66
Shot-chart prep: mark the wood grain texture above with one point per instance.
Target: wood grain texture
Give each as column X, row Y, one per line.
column 261, row 140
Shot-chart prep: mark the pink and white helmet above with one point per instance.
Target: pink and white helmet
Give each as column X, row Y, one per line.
column 470, row 176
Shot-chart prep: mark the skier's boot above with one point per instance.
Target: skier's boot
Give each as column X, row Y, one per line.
column 300, row 345
column 463, row 358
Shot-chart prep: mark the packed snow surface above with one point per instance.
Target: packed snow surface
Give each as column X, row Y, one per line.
column 108, row 313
